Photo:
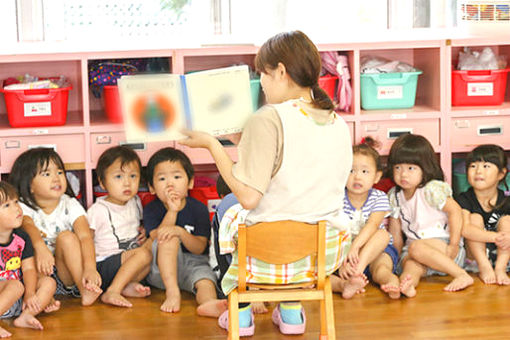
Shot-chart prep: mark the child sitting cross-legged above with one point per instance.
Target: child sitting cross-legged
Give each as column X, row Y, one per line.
column 180, row 229
column 118, row 234
column 18, row 272
column 372, row 252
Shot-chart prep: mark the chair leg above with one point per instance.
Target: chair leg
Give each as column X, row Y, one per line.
column 233, row 315
column 330, row 313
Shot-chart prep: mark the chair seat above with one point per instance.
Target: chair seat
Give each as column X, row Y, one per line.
column 289, row 286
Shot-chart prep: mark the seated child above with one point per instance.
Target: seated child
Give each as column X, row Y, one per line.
column 223, row 260
column 57, row 224
column 180, row 229
column 486, row 213
column 115, row 221
column 367, row 207
column 423, row 208
column 18, row 273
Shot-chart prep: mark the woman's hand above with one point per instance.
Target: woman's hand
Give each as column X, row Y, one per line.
column 197, row 139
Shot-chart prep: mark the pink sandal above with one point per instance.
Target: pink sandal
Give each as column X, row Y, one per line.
column 243, row 331
column 286, row 328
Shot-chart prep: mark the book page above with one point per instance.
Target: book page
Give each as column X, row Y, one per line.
column 219, row 100
column 152, row 107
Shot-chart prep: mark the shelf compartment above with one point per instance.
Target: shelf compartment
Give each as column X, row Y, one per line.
column 469, row 132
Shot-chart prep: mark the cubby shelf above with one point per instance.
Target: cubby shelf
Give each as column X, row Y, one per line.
column 87, row 131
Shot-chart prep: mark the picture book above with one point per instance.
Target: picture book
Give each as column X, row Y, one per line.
column 157, row 107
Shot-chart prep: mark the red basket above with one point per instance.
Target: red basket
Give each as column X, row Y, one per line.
column 112, row 103
column 36, row 107
column 208, row 196
column 328, row 84
column 479, row 87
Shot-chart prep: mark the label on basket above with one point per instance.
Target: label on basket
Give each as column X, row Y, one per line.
column 480, row 89
column 37, row 109
column 390, row 92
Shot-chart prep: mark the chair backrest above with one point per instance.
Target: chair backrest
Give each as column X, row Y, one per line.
column 282, row 242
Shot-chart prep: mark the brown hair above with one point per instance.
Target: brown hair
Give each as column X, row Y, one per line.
column 415, row 149
column 367, row 148
column 7, row 191
column 301, row 59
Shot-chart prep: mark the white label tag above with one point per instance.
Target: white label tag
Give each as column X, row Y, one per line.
column 390, row 92
column 37, row 109
column 212, row 204
column 480, row 89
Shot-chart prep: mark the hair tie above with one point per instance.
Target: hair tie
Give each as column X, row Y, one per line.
column 314, row 86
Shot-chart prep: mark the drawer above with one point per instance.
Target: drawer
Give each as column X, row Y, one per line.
column 467, row 133
column 387, row 131
column 99, row 142
column 71, row 148
column 202, row 156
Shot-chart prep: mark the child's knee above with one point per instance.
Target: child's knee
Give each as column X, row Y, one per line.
column 169, row 245
column 67, row 238
column 416, row 249
column 16, row 287
column 144, row 254
column 504, row 223
column 47, row 282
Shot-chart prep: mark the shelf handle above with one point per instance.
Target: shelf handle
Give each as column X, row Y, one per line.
column 372, row 127
column 490, row 130
column 135, row 146
column 393, row 133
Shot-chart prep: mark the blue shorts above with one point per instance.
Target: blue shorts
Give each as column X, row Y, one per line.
column 393, row 253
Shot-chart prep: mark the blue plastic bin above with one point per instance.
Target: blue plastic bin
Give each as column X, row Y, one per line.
column 388, row 90
column 255, row 92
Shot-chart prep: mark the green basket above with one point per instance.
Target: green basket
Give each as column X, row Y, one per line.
column 388, row 90
column 255, row 92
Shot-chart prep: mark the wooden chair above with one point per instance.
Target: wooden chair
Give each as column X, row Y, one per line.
column 283, row 242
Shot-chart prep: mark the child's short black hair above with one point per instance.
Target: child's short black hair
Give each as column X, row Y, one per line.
column 27, row 166
column 7, row 192
column 170, row 155
column 109, row 156
column 221, row 187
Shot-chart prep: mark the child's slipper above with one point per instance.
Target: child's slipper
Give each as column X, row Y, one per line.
column 243, row 331
column 286, row 328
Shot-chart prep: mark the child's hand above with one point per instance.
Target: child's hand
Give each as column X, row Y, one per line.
column 503, row 240
column 353, row 256
column 44, row 260
column 173, row 201
column 347, row 270
column 166, row 233
column 91, row 278
column 452, row 251
column 196, row 139
column 31, row 302
column 141, row 238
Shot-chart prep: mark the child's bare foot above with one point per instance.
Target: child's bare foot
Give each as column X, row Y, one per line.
column 115, row 299
column 4, row 333
column 212, row 308
column 136, row 289
column 89, row 294
column 355, row 284
column 459, row 283
column 406, row 287
column 258, row 307
column 392, row 288
column 53, row 306
column 27, row 320
column 172, row 304
column 502, row 278
column 487, row 274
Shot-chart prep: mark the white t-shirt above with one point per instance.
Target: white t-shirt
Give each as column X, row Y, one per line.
column 115, row 226
column 60, row 219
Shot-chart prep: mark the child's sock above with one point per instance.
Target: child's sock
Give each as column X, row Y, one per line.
column 245, row 316
column 291, row 313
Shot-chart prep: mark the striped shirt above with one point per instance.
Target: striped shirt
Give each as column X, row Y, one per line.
column 376, row 201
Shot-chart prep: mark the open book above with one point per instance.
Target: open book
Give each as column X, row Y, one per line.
column 156, row 107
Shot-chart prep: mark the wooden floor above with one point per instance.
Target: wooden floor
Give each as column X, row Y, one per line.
column 479, row 312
